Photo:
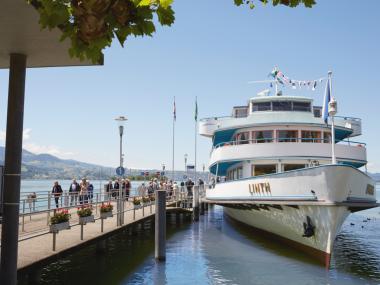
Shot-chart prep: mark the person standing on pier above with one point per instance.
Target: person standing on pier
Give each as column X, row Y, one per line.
column 109, row 190
column 57, row 192
column 127, row 188
column 90, row 190
column 73, row 192
column 141, row 190
column 83, row 192
column 175, row 190
column 189, row 186
column 116, row 186
column 182, row 189
column 150, row 189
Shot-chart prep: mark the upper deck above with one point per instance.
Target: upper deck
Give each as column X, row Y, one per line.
column 275, row 110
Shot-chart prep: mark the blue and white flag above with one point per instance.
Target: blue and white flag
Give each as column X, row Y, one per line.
column 326, row 100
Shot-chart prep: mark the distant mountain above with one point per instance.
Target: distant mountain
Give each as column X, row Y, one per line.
column 375, row 176
column 46, row 166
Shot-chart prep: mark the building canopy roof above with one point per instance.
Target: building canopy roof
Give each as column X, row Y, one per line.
column 20, row 32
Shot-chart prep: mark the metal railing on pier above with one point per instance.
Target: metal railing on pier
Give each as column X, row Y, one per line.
column 42, row 206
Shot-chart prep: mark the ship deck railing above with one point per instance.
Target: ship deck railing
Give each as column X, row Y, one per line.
column 285, row 140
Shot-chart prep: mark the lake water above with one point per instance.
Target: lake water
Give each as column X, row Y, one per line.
column 216, row 250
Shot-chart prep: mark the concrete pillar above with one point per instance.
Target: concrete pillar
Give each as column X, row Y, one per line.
column 160, row 225
column 196, row 203
column 12, row 169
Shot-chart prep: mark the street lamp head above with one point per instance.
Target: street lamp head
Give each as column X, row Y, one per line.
column 120, row 120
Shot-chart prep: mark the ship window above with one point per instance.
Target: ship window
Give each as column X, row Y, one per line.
column 242, row 138
column 241, row 112
column 262, row 136
column 287, row 136
column 327, row 137
column 282, row 106
column 317, row 112
column 262, row 169
column 263, row 106
column 288, row 167
column 301, row 106
column 311, row 136
column 239, row 172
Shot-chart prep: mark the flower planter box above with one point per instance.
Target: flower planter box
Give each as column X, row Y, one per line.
column 106, row 215
column 137, row 207
column 55, row 228
column 85, row 220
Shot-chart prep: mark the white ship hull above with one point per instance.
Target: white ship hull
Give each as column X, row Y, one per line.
column 280, row 203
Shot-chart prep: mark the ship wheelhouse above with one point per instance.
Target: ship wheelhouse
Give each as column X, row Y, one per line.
column 274, row 134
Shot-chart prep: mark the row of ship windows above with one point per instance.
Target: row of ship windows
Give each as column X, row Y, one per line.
column 282, row 136
column 241, row 112
column 262, row 169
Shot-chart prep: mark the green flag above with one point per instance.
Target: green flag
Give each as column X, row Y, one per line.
column 196, row 110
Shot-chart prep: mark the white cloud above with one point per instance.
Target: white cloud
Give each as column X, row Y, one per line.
column 36, row 148
column 25, row 135
column 49, row 149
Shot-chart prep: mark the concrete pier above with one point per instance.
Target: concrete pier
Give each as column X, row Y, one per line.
column 35, row 245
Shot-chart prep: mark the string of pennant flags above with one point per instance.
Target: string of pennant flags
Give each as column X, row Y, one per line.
column 284, row 80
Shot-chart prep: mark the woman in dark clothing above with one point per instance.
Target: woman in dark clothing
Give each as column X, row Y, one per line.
column 127, row 188
column 57, row 192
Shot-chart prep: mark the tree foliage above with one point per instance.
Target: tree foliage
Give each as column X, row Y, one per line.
column 92, row 25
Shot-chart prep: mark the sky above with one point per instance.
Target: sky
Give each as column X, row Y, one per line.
column 212, row 51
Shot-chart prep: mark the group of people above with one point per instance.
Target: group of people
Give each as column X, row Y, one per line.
column 82, row 192
column 113, row 189
column 171, row 187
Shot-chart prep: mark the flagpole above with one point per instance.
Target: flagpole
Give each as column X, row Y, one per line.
column 195, row 140
column 332, row 111
column 174, row 118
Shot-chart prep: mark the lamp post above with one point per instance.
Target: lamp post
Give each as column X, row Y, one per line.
column 120, row 120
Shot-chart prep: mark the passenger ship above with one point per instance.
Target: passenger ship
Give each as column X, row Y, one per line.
column 272, row 160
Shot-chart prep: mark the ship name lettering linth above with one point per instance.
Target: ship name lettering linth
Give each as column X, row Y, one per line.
column 259, row 188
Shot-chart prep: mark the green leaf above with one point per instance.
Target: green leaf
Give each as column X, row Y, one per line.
column 166, row 3
column 165, row 16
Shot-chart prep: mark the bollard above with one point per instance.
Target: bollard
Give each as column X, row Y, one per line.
column 101, row 224
column 54, row 240
column 134, row 213
column 81, row 231
column 160, row 225
column 195, row 203
column 143, row 207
